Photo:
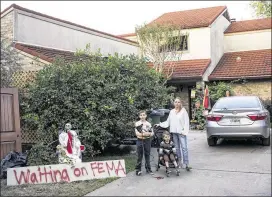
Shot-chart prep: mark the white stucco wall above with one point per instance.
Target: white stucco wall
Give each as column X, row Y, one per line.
column 246, row 41
column 217, row 43
column 198, row 44
column 37, row 30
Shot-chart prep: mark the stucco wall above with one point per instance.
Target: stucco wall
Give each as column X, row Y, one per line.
column 7, row 26
column 261, row 89
column 217, row 43
column 246, row 41
column 198, row 44
column 45, row 32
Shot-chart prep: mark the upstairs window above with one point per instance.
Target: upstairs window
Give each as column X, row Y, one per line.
column 182, row 44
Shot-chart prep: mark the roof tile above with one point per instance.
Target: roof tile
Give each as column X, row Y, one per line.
column 195, row 18
column 249, row 25
column 185, row 69
column 252, row 64
column 46, row 54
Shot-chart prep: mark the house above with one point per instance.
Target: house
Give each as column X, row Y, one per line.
column 38, row 35
column 219, row 48
column 40, row 39
column 247, row 54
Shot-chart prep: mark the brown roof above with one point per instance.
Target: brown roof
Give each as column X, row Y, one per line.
column 249, row 25
column 127, row 35
column 64, row 21
column 191, row 18
column 186, row 69
column 253, row 64
column 46, row 54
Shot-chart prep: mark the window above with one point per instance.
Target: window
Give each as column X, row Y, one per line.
column 183, row 46
column 237, row 102
column 226, row 15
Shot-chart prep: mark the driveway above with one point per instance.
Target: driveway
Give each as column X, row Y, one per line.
column 233, row 168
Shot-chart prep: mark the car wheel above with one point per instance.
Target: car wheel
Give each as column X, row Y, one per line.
column 212, row 141
column 266, row 141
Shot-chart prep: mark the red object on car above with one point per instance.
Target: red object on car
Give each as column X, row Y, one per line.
column 215, row 118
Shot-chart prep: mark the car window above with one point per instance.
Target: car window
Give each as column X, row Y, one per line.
column 237, row 102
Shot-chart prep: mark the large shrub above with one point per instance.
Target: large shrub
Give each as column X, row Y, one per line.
column 268, row 105
column 218, row 90
column 100, row 97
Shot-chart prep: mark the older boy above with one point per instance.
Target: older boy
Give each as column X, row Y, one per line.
column 143, row 131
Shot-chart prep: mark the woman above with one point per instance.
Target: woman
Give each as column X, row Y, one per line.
column 179, row 123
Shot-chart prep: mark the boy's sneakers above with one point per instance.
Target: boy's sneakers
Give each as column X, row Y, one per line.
column 149, row 172
column 138, row 173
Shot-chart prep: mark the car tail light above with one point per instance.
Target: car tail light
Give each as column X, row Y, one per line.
column 255, row 117
column 215, row 118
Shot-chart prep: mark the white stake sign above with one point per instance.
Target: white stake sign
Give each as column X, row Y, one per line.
column 63, row 172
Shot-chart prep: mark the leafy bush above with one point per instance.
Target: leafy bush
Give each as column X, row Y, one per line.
column 268, row 105
column 99, row 97
column 201, row 120
column 218, row 90
column 41, row 155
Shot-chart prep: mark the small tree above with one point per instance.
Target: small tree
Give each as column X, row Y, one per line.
column 10, row 63
column 161, row 43
column 262, row 8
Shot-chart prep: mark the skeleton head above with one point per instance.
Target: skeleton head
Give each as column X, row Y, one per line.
column 68, row 126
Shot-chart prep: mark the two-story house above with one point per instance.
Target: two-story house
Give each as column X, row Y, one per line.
column 220, row 49
column 38, row 35
column 217, row 47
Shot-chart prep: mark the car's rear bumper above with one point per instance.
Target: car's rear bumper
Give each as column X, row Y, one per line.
column 238, row 131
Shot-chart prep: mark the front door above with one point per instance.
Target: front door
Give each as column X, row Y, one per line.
column 10, row 122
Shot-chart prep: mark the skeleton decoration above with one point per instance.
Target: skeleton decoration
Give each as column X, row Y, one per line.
column 70, row 148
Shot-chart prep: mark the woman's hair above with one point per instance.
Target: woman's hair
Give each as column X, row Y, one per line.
column 181, row 101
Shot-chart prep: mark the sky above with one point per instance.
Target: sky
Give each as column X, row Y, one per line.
column 121, row 17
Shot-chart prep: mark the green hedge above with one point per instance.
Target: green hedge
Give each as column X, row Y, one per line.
column 100, row 97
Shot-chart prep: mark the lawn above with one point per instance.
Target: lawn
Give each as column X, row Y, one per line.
column 79, row 188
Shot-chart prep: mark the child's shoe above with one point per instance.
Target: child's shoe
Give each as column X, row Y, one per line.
column 138, row 173
column 177, row 171
column 167, row 172
column 188, row 168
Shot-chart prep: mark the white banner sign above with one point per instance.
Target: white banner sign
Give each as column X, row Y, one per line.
column 62, row 172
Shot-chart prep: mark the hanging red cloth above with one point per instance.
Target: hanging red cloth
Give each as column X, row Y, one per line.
column 206, row 99
column 69, row 143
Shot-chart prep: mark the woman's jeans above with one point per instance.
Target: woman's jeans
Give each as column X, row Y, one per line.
column 180, row 142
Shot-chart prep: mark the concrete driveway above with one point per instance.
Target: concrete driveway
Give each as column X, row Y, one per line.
column 233, row 168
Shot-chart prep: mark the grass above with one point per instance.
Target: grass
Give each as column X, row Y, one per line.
column 78, row 188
